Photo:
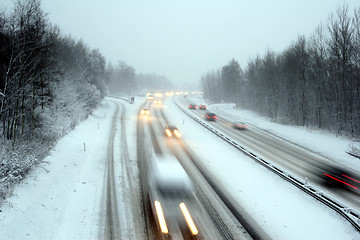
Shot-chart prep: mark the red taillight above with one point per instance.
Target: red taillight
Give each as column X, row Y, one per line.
column 207, row 116
column 350, row 178
column 340, row 181
column 215, row 117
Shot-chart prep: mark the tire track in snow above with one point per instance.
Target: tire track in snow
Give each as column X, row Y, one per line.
column 110, row 226
column 129, row 197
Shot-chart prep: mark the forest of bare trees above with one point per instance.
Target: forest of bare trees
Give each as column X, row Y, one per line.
column 313, row 82
column 48, row 83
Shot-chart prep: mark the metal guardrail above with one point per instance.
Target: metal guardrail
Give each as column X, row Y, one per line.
column 351, row 215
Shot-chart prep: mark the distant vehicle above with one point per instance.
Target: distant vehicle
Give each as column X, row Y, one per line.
column 211, row 117
column 132, row 99
column 192, row 106
column 157, row 101
column 171, row 131
column 145, row 112
column 202, row 107
column 150, row 97
column 240, row 125
column 170, row 190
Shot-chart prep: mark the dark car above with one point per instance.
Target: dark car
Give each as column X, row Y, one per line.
column 340, row 178
column 171, row 131
column 211, row 117
column 240, row 125
column 202, row 107
column 192, row 106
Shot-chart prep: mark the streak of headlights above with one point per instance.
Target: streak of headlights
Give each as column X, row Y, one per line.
column 188, row 219
column 168, row 132
column 177, row 133
column 161, row 217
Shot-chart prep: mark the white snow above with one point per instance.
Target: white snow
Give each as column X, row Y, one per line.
column 61, row 199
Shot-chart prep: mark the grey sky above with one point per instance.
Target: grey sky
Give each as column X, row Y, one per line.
column 185, row 39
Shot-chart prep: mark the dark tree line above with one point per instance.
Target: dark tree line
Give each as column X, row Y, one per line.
column 36, row 64
column 48, row 83
column 314, row 81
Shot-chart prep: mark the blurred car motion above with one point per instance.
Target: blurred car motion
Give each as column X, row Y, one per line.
column 202, row 107
column 145, row 112
column 341, row 178
column 211, row 117
column 171, row 131
column 170, row 192
column 240, row 125
column 192, row 106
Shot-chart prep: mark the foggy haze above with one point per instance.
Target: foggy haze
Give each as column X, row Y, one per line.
column 184, row 39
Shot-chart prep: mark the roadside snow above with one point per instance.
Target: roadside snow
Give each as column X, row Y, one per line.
column 61, row 199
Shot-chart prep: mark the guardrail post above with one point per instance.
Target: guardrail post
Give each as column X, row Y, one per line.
column 84, row 147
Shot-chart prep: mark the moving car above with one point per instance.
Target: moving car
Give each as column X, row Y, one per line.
column 157, row 101
column 145, row 112
column 337, row 177
column 211, row 117
column 240, row 125
column 171, row 131
column 192, row 106
column 202, row 107
column 170, row 192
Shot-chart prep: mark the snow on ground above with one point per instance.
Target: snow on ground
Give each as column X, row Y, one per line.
column 281, row 210
column 61, row 199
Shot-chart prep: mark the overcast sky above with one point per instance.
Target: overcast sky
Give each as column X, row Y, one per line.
column 186, row 38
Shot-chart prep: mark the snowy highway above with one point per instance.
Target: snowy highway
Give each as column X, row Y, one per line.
column 96, row 184
column 293, row 158
column 213, row 217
